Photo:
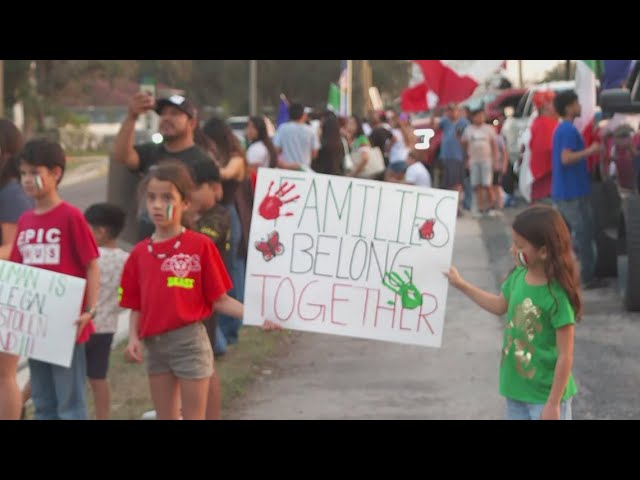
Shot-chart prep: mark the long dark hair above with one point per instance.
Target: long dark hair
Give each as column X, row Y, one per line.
column 543, row 226
column 227, row 144
column 263, row 136
column 329, row 159
column 11, row 142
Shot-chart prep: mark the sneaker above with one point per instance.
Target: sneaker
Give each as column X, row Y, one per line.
column 150, row 415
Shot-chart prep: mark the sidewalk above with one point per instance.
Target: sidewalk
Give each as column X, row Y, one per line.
column 332, row 377
column 87, row 168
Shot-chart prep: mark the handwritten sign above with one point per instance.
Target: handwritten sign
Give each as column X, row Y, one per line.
column 37, row 312
column 350, row 257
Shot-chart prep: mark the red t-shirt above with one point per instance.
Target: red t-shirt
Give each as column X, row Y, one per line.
column 541, row 145
column 59, row 240
column 176, row 290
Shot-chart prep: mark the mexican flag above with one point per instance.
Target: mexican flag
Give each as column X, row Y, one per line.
column 587, row 71
column 455, row 80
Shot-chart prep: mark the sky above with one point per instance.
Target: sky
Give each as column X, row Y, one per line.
column 532, row 70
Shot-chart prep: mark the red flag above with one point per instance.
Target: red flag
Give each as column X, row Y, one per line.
column 451, row 83
column 414, row 99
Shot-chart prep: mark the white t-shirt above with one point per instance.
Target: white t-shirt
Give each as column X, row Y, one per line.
column 258, row 155
column 398, row 151
column 111, row 262
column 417, row 174
column 479, row 140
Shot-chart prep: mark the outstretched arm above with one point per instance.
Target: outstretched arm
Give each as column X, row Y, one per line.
column 495, row 304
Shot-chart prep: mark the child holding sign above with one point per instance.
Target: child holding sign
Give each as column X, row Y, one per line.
column 541, row 298
column 171, row 282
column 107, row 221
column 55, row 236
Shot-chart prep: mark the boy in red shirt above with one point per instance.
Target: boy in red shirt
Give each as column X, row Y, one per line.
column 55, row 236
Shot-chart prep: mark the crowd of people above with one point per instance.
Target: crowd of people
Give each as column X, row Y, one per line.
column 183, row 280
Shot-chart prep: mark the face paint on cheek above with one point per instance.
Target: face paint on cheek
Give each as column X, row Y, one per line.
column 38, row 181
column 522, row 258
column 170, row 211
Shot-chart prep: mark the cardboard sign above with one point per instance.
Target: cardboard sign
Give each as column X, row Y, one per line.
column 351, row 257
column 38, row 309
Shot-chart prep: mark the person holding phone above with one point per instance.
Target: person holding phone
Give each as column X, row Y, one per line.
column 178, row 127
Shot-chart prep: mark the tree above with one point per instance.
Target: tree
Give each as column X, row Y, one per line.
column 559, row 72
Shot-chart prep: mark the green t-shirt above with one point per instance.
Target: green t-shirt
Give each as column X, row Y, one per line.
column 361, row 141
column 529, row 351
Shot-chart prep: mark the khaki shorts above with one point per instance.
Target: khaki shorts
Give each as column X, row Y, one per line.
column 481, row 174
column 185, row 352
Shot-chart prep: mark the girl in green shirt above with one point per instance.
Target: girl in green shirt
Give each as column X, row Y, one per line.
column 542, row 300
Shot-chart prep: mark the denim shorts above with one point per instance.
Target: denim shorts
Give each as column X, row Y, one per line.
column 186, row 352
column 516, row 410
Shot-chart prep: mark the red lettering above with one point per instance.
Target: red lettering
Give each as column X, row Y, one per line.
column 401, row 316
column 8, row 341
column 322, row 308
column 424, row 316
column 334, row 299
column 264, row 281
column 293, row 300
column 380, row 307
column 366, row 302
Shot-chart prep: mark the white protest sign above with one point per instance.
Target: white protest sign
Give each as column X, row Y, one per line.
column 350, row 257
column 38, row 309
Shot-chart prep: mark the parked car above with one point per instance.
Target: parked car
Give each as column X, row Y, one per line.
column 617, row 219
column 495, row 102
column 239, row 125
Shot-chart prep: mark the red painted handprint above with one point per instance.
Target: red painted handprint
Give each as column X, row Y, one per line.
column 426, row 230
column 270, row 205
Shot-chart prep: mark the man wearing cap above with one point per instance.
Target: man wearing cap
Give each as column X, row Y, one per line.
column 178, row 122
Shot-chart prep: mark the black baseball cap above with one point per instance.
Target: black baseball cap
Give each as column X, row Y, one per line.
column 179, row 102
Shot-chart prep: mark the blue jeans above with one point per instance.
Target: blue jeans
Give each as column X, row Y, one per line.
column 229, row 327
column 516, row 410
column 58, row 393
column 579, row 217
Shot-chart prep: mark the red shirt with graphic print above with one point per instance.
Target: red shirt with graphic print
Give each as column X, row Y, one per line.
column 173, row 285
column 59, row 240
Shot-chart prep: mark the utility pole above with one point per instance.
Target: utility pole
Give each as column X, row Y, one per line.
column 253, row 87
column 520, row 80
column 349, row 86
column 1, row 88
column 568, row 69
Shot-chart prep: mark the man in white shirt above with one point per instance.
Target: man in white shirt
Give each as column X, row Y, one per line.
column 416, row 174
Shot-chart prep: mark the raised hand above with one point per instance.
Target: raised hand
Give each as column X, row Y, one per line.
column 140, row 103
column 270, row 206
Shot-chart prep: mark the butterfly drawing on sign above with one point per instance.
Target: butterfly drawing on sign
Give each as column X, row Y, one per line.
column 426, row 230
column 271, row 247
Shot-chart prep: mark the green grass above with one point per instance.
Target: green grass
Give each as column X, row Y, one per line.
column 237, row 369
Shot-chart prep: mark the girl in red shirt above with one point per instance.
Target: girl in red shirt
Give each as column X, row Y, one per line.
column 171, row 282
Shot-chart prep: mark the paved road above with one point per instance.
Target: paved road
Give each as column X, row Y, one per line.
column 606, row 362
column 340, row 378
column 85, row 193
column 332, row 377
